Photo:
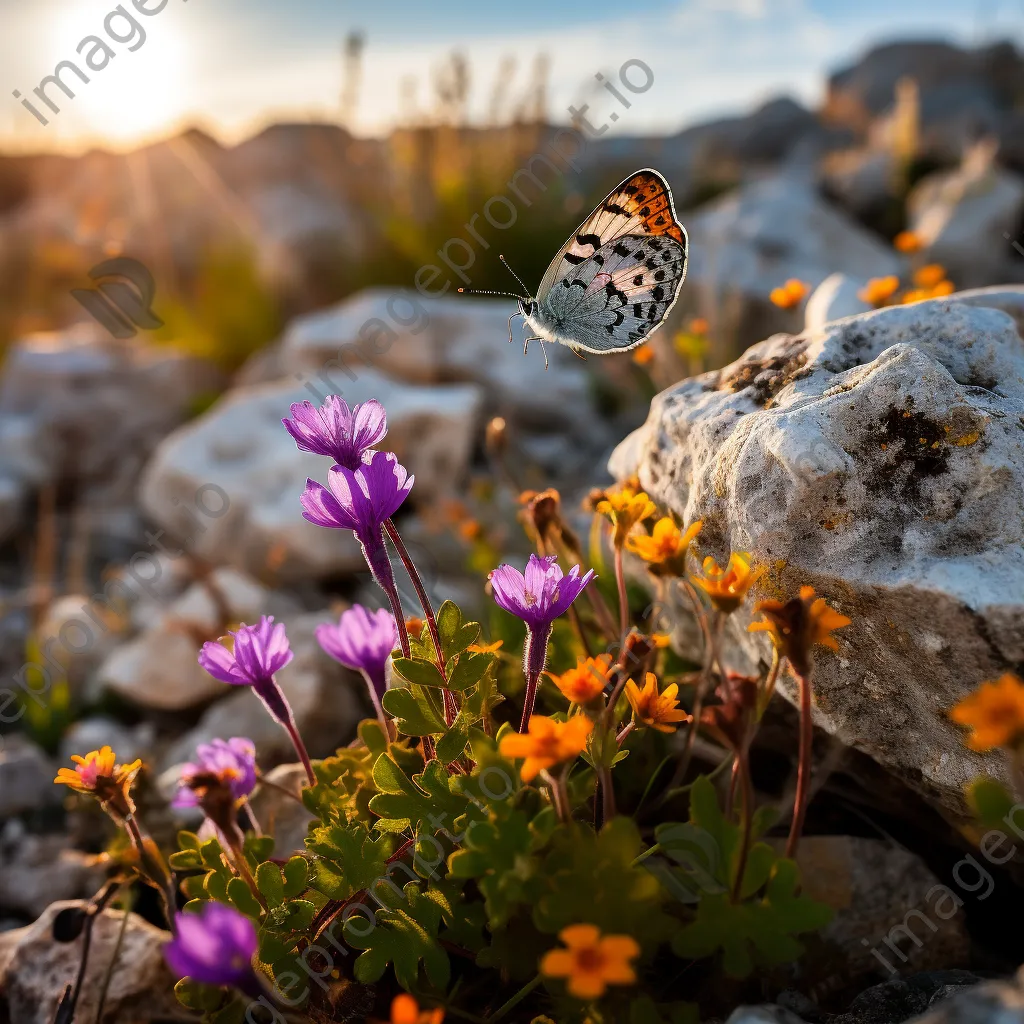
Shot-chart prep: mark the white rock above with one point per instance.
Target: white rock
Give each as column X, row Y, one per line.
column 755, row 239
column 240, row 450
column 280, row 816
column 327, row 701
column 128, row 742
column 881, row 461
column 964, row 216
column 75, row 640
column 35, row 969
column 36, row 870
column 26, row 776
column 835, row 298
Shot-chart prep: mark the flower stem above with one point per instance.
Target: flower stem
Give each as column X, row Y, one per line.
column 620, row 579
column 608, row 809
column 803, row 778
column 153, row 867
column 534, row 659
column 515, row 1000
column 747, row 802
column 625, row 731
column 703, row 684
column 375, row 701
column 451, row 707
column 300, row 748
column 532, row 681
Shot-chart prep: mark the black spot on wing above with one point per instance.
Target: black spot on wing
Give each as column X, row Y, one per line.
column 575, row 260
column 638, row 280
column 614, row 293
column 621, row 250
column 594, row 241
column 658, row 293
column 616, row 209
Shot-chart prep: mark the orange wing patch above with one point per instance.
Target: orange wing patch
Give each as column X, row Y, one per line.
column 644, row 196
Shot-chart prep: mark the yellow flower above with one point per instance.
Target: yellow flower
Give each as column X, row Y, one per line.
column 660, row 639
column 907, row 241
column 591, row 962
column 625, row 508
column 994, row 712
column 666, row 546
column 791, row 294
column 728, row 588
column 547, row 743
column 798, row 625
column 587, row 681
column 405, row 1010
column 643, row 355
column 658, row 710
column 879, row 290
column 98, row 774
column 485, row 648
column 929, row 275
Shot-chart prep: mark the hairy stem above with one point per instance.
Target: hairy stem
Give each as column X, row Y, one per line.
column 803, row 778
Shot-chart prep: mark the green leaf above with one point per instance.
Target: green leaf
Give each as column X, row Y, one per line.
column 989, row 801
column 185, row 860
column 241, row 895
column 296, row 875
column 293, row 916
column 404, row 937
column 188, row 840
column 468, row 671
column 213, row 854
column 268, row 881
column 760, row 932
column 412, row 712
column 456, row 636
column 452, row 745
column 419, row 671
column 259, row 848
column 418, row 803
column 372, row 735
column 351, row 858
column 195, row 996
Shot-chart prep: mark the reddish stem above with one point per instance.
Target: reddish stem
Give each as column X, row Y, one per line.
column 620, row 579
column 803, row 778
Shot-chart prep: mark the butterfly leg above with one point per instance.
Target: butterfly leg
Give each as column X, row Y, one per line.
column 526, row 346
column 510, row 319
column 578, row 354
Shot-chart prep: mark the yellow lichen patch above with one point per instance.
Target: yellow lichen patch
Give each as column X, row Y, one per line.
column 967, row 439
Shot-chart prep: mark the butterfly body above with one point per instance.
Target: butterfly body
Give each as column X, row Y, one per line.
column 613, row 283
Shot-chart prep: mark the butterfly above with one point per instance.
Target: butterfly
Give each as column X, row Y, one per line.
column 613, row 283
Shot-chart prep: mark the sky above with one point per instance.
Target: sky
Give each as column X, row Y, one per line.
column 233, row 66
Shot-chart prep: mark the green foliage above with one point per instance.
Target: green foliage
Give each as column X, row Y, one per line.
column 989, row 801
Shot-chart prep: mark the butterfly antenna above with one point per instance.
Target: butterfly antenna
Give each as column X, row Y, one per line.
column 513, row 273
column 506, row 295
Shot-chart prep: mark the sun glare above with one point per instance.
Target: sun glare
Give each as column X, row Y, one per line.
column 140, row 91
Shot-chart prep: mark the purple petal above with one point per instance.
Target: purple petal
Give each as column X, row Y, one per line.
column 321, row 507
column 509, row 586
column 369, row 424
column 569, row 589
column 221, row 664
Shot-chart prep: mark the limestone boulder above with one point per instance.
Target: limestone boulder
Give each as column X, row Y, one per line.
column 880, row 460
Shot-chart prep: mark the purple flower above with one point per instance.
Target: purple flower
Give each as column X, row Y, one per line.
column 231, row 763
column 213, row 947
column 538, row 598
column 336, row 431
column 260, row 651
column 542, row 595
column 362, row 640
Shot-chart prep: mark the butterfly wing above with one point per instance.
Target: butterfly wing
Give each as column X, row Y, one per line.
column 616, row 298
column 640, row 205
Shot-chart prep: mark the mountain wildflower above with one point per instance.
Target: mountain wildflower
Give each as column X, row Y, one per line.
column 586, row 682
column 699, row 325
column 98, row 774
column 336, row 431
column 727, row 588
column 259, row 652
column 929, row 275
column 994, row 713
column 908, row 242
column 228, row 763
column 643, row 355
column 625, row 508
column 591, row 962
column 363, row 641
column 214, row 947
column 547, row 743
column 538, row 598
column 542, row 518
column 405, row 1010
column 660, row 711
column 791, row 294
column 798, row 625
column 879, row 290
column 665, row 549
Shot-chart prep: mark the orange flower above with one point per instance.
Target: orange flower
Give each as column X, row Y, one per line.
column 470, row 529
column 586, row 682
column 591, row 962
column 797, row 625
column 728, row 588
column 929, row 275
column 907, row 241
column 643, row 355
column 658, row 710
column 666, row 547
column 414, row 625
column 625, row 508
column 943, row 288
column 547, row 743
column 879, row 290
column 791, row 294
column 405, row 1010
column 485, row 648
column 994, row 712
column 915, row 295
column 99, row 775
column 698, row 325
